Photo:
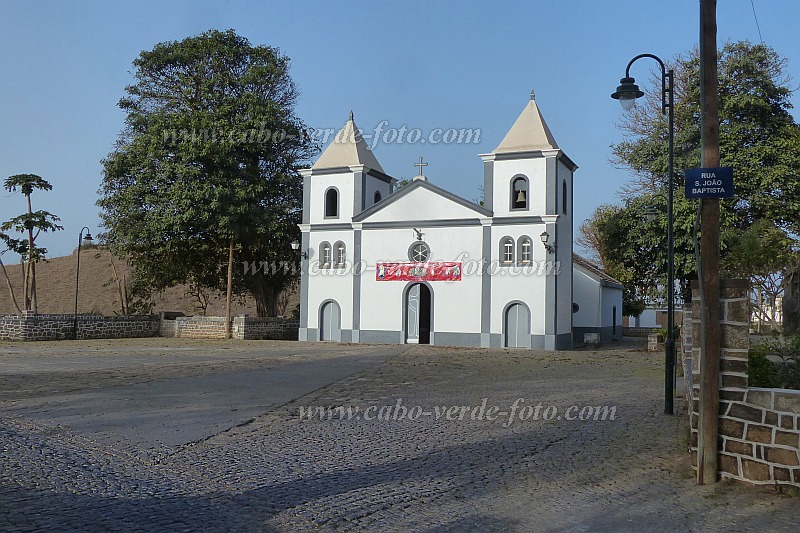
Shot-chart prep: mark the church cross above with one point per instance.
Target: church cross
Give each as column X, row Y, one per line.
column 420, row 165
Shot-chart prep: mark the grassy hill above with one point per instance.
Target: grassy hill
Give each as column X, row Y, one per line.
column 99, row 293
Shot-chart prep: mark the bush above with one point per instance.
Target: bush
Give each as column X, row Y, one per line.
column 766, row 372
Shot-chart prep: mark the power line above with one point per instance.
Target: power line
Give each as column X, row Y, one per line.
column 756, row 17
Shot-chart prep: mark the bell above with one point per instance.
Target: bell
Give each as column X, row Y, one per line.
column 521, row 197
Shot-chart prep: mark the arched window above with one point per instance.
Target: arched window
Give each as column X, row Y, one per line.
column 519, row 193
column 377, row 197
column 506, row 251
column 525, row 249
column 332, row 203
column 564, row 197
column 340, row 255
column 325, row 254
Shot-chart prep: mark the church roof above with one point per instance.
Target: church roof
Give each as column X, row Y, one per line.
column 421, row 184
column 348, row 148
column 595, row 271
column 529, row 133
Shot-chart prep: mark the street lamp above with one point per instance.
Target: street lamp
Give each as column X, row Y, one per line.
column 81, row 237
column 627, row 93
column 296, row 246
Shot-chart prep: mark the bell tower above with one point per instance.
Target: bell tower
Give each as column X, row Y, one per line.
column 528, row 186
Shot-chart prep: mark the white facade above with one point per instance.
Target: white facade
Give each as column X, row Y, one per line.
column 598, row 302
column 513, row 290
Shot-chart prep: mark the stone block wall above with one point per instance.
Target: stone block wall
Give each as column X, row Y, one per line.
column 33, row 327
column 258, row 328
column 759, row 435
column 200, row 327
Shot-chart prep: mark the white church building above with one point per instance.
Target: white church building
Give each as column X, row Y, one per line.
column 418, row 264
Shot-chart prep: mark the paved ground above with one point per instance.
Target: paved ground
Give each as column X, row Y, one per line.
column 172, row 435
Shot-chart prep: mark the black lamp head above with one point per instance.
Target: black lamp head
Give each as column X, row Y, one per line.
column 627, row 92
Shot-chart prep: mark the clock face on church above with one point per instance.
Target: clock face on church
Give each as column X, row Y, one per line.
column 419, row 252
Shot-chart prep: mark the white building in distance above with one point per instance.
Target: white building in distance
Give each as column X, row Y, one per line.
column 418, row 264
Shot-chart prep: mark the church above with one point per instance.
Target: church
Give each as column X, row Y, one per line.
column 418, row 264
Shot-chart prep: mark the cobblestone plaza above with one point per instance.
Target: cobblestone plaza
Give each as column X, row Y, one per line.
column 176, row 435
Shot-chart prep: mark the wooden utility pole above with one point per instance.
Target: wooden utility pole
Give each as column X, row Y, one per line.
column 709, row 251
column 229, row 293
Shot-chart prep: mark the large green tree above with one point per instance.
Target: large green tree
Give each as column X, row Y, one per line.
column 208, row 160
column 758, row 138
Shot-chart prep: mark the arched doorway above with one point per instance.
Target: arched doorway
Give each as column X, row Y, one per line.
column 517, row 326
column 330, row 322
column 418, row 314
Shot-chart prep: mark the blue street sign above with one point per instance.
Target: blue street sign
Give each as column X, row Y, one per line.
column 709, row 182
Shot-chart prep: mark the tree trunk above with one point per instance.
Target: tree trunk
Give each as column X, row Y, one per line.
column 266, row 300
column 229, row 294
column 32, row 260
column 10, row 288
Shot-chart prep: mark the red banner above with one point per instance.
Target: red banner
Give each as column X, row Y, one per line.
column 434, row 271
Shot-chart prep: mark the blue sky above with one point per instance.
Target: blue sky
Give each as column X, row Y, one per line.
column 426, row 65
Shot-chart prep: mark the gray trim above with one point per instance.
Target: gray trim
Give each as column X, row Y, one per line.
column 501, row 256
column 375, row 336
column 416, row 185
column 504, row 325
column 555, row 258
column 404, row 224
column 332, row 227
column 302, row 334
column 534, row 154
column 335, row 255
column 550, row 300
column 386, row 178
column 404, row 309
column 496, row 340
column 356, row 284
column 347, row 335
column 332, row 170
column 306, row 199
column 416, row 243
column 520, row 261
column 551, row 186
column 338, row 203
column 304, row 238
column 514, row 178
column 486, row 286
column 488, row 184
column 319, row 319
column 312, row 335
column 447, row 338
column 507, row 221
column 359, row 190
column 564, row 341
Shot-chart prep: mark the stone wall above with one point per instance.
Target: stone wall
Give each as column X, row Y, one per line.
column 759, row 437
column 200, row 327
column 242, row 327
column 33, row 327
column 252, row 328
column 638, row 332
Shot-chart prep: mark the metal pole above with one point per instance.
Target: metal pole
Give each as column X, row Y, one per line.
column 669, row 343
column 77, row 277
column 667, row 106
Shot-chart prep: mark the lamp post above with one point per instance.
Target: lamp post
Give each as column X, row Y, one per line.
column 296, row 246
column 627, row 93
column 81, row 237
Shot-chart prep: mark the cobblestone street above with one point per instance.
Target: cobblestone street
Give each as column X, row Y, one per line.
column 172, row 435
